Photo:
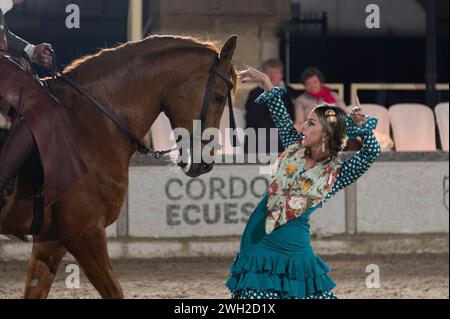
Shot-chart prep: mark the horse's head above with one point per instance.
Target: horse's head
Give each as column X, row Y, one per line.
column 196, row 104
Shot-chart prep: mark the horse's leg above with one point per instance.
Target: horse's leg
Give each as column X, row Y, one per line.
column 45, row 259
column 91, row 252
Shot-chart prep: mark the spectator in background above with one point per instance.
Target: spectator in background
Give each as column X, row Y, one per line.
column 259, row 117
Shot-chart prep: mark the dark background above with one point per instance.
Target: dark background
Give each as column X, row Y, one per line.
column 343, row 58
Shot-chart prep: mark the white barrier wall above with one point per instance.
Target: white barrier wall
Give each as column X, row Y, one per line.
column 404, row 197
column 394, row 196
column 168, row 204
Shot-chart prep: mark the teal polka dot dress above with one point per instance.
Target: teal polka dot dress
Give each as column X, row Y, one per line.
column 255, row 294
column 282, row 264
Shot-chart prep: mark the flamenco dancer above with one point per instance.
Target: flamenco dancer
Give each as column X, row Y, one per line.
column 276, row 260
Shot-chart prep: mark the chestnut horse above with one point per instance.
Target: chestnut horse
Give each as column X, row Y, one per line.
column 137, row 81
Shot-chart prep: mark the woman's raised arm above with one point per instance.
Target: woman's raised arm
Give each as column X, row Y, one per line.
column 272, row 98
column 354, row 167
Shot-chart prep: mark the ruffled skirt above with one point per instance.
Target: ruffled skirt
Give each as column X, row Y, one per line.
column 281, row 264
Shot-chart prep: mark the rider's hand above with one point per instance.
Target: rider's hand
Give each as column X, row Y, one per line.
column 253, row 75
column 16, row 2
column 358, row 117
column 42, row 55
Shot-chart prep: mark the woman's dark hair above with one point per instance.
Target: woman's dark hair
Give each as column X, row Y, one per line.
column 310, row 72
column 334, row 130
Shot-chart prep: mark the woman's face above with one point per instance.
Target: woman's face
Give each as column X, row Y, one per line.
column 313, row 131
column 313, row 85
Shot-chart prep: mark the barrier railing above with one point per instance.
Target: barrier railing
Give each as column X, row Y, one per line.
column 355, row 87
column 247, row 87
column 338, row 87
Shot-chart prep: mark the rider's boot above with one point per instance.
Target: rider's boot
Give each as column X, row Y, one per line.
column 16, row 149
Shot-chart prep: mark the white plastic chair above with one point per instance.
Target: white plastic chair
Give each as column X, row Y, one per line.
column 441, row 111
column 414, row 127
column 163, row 139
column 227, row 147
column 161, row 134
column 383, row 130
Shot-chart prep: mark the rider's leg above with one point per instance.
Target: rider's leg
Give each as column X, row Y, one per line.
column 16, row 149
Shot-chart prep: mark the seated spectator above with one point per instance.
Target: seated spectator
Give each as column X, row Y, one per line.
column 258, row 116
column 316, row 93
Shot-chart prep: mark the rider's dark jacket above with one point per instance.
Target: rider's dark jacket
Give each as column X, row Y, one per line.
column 9, row 42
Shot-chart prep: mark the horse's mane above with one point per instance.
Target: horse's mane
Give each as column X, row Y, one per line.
column 151, row 45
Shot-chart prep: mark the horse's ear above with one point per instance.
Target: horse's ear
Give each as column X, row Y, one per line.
column 226, row 55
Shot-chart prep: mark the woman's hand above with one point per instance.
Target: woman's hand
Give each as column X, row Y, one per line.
column 253, row 75
column 356, row 114
column 299, row 127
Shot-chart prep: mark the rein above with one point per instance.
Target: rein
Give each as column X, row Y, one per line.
column 141, row 147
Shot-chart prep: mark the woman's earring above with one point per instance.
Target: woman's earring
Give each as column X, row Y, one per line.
column 323, row 146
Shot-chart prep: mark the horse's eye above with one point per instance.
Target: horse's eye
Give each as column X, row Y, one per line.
column 219, row 99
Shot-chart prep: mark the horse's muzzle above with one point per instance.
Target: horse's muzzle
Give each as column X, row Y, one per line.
column 196, row 170
column 185, row 162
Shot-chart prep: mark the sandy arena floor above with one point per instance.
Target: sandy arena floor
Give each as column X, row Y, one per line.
column 402, row 276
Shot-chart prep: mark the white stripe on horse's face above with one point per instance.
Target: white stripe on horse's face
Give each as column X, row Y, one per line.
column 6, row 5
column 188, row 166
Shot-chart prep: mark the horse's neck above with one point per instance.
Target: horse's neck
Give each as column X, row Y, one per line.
column 134, row 103
column 133, row 100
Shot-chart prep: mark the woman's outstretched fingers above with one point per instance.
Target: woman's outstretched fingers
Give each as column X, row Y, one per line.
column 253, row 75
column 243, row 73
column 356, row 112
column 358, row 104
column 246, row 76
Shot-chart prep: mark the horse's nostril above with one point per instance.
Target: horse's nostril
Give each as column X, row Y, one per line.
column 182, row 165
column 206, row 168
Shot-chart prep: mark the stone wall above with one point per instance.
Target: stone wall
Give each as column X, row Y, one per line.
column 257, row 22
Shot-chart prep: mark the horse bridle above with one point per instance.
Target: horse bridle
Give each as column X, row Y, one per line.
column 141, row 147
column 209, row 96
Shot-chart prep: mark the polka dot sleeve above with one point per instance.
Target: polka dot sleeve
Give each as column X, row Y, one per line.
column 288, row 134
column 355, row 166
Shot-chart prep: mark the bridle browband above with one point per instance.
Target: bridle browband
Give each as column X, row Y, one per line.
column 141, row 147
